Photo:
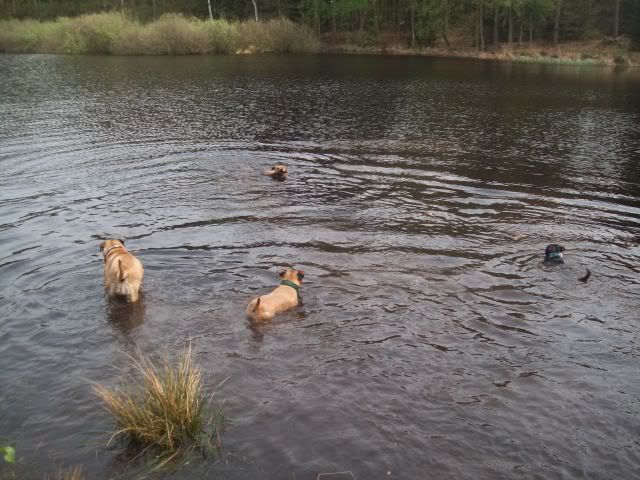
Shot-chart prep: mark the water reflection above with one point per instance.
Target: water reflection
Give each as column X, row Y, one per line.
column 124, row 316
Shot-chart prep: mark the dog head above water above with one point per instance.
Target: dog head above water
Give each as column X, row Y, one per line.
column 109, row 245
column 292, row 275
column 278, row 172
column 553, row 253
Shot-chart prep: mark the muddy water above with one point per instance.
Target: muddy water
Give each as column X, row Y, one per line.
column 432, row 342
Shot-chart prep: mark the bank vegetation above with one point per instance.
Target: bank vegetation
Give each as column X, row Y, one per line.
column 583, row 31
column 171, row 34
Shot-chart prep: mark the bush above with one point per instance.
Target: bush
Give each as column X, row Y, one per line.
column 171, row 34
column 164, row 408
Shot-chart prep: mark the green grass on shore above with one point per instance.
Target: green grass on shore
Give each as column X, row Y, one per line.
column 171, row 34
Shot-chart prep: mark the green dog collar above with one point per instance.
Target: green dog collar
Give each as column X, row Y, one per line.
column 294, row 286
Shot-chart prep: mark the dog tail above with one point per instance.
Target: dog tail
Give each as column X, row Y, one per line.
column 586, row 277
column 122, row 276
column 257, row 305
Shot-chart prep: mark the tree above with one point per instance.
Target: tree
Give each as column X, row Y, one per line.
column 556, row 24
column 616, row 18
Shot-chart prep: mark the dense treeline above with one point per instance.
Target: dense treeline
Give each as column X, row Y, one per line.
column 482, row 23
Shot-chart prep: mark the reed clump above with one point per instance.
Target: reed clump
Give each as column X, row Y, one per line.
column 171, row 34
column 163, row 408
column 74, row 473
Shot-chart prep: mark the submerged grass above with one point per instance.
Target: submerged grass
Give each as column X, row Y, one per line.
column 171, row 34
column 164, row 408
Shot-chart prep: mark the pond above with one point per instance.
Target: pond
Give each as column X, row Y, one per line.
column 432, row 343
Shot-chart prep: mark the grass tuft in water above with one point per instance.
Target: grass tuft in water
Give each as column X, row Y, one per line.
column 74, row 473
column 163, row 408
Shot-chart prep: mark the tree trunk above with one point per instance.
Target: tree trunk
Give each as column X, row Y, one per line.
column 531, row 29
column 317, row 15
column 445, row 31
column 481, row 20
column 510, row 19
column 122, row 6
column 333, row 18
column 376, row 25
column 476, row 33
column 208, row 5
column 255, row 8
column 520, row 33
column 616, row 19
column 556, row 24
column 495, row 27
column 413, row 28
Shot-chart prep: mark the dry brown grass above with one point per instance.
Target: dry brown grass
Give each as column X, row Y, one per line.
column 163, row 407
column 74, row 473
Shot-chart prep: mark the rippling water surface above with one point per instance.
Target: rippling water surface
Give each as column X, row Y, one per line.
column 432, row 342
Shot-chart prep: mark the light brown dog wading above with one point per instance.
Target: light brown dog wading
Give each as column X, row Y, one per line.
column 285, row 297
column 122, row 271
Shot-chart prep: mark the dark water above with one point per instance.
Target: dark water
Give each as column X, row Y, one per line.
column 432, row 342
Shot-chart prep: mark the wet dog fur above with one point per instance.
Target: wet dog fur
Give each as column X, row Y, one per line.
column 553, row 254
column 122, row 271
column 278, row 172
column 283, row 298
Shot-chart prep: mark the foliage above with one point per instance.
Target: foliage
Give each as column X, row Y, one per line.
column 163, row 408
column 175, row 26
column 170, row 34
column 9, row 454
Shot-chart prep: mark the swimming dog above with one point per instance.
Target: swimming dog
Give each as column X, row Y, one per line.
column 122, row 271
column 285, row 297
column 553, row 254
column 278, row 172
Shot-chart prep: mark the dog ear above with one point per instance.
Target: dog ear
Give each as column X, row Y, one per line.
column 282, row 273
column 121, row 241
column 102, row 246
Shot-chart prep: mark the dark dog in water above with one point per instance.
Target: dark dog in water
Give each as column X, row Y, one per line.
column 553, row 254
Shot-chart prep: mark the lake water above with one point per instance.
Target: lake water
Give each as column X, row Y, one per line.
column 433, row 343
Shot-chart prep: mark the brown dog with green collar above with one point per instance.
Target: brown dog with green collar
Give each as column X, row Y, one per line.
column 122, row 271
column 285, row 297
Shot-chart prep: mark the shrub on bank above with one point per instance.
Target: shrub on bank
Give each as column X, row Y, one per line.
column 171, row 34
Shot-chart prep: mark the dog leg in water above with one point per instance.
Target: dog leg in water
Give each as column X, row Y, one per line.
column 586, row 277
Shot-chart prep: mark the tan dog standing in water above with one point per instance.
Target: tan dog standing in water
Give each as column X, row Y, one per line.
column 285, row 297
column 122, row 271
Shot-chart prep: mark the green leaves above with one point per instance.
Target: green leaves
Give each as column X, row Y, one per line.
column 9, row 454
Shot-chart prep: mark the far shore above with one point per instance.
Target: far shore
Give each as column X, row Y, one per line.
column 172, row 34
column 578, row 53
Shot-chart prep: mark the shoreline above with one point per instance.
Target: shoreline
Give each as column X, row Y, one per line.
column 631, row 60
column 577, row 54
